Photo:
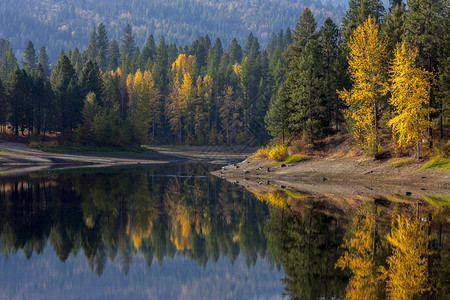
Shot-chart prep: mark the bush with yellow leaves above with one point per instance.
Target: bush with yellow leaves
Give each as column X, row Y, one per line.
column 276, row 152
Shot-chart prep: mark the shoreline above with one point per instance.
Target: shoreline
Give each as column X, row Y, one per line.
column 343, row 177
column 19, row 158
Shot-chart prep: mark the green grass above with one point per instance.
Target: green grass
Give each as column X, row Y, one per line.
column 438, row 162
column 4, row 150
column 293, row 194
column 90, row 149
column 437, row 200
column 397, row 198
column 399, row 162
column 296, row 158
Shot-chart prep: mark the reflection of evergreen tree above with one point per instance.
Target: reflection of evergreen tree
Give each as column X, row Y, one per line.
column 307, row 247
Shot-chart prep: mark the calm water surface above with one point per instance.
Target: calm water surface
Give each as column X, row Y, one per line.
column 176, row 232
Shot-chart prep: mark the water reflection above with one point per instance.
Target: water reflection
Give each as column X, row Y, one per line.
column 173, row 214
column 125, row 212
column 387, row 249
column 307, row 244
column 176, row 232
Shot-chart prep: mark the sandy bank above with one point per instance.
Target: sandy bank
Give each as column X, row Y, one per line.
column 340, row 177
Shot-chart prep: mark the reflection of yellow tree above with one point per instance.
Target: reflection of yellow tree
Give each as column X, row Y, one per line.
column 181, row 229
column 359, row 259
column 407, row 274
column 275, row 198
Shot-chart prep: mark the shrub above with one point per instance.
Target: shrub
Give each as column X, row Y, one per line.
column 277, row 152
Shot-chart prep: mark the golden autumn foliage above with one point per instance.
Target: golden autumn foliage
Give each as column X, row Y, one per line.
column 366, row 69
column 182, row 93
column 275, row 198
column 409, row 87
column 359, row 259
column 277, row 152
column 237, row 68
column 183, row 64
column 142, row 102
column 189, row 102
column 407, row 274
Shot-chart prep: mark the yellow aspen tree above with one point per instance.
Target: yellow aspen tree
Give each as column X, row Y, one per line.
column 359, row 259
column 408, row 267
column 365, row 60
column 183, row 64
column 410, row 87
column 181, row 94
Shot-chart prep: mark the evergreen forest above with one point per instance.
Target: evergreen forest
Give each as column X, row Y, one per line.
column 380, row 70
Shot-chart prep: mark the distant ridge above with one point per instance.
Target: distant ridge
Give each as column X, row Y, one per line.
column 62, row 24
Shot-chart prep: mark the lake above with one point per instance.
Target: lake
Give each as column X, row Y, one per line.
column 176, row 232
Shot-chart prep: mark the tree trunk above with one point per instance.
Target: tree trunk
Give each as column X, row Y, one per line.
column 418, row 150
column 375, row 128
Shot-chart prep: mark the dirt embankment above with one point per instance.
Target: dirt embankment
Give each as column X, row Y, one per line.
column 343, row 176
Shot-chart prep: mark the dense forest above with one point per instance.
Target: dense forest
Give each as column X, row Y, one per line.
column 63, row 24
column 308, row 82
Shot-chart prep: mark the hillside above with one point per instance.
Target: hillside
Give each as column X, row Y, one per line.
column 62, row 24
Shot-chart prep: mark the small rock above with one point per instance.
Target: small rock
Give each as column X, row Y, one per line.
column 283, row 186
column 259, row 168
column 283, row 165
column 237, row 167
column 423, row 177
column 324, row 179
column 246, row 172
column 267, row 182
column 408, row 193
column 268, row 169
column 259, row 182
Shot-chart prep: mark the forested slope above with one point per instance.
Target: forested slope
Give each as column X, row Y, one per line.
column 62, row 24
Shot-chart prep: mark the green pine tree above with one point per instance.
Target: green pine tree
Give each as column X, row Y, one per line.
column 30, row 60
column 113, row 56
column 44, row 61
column 102, row 44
